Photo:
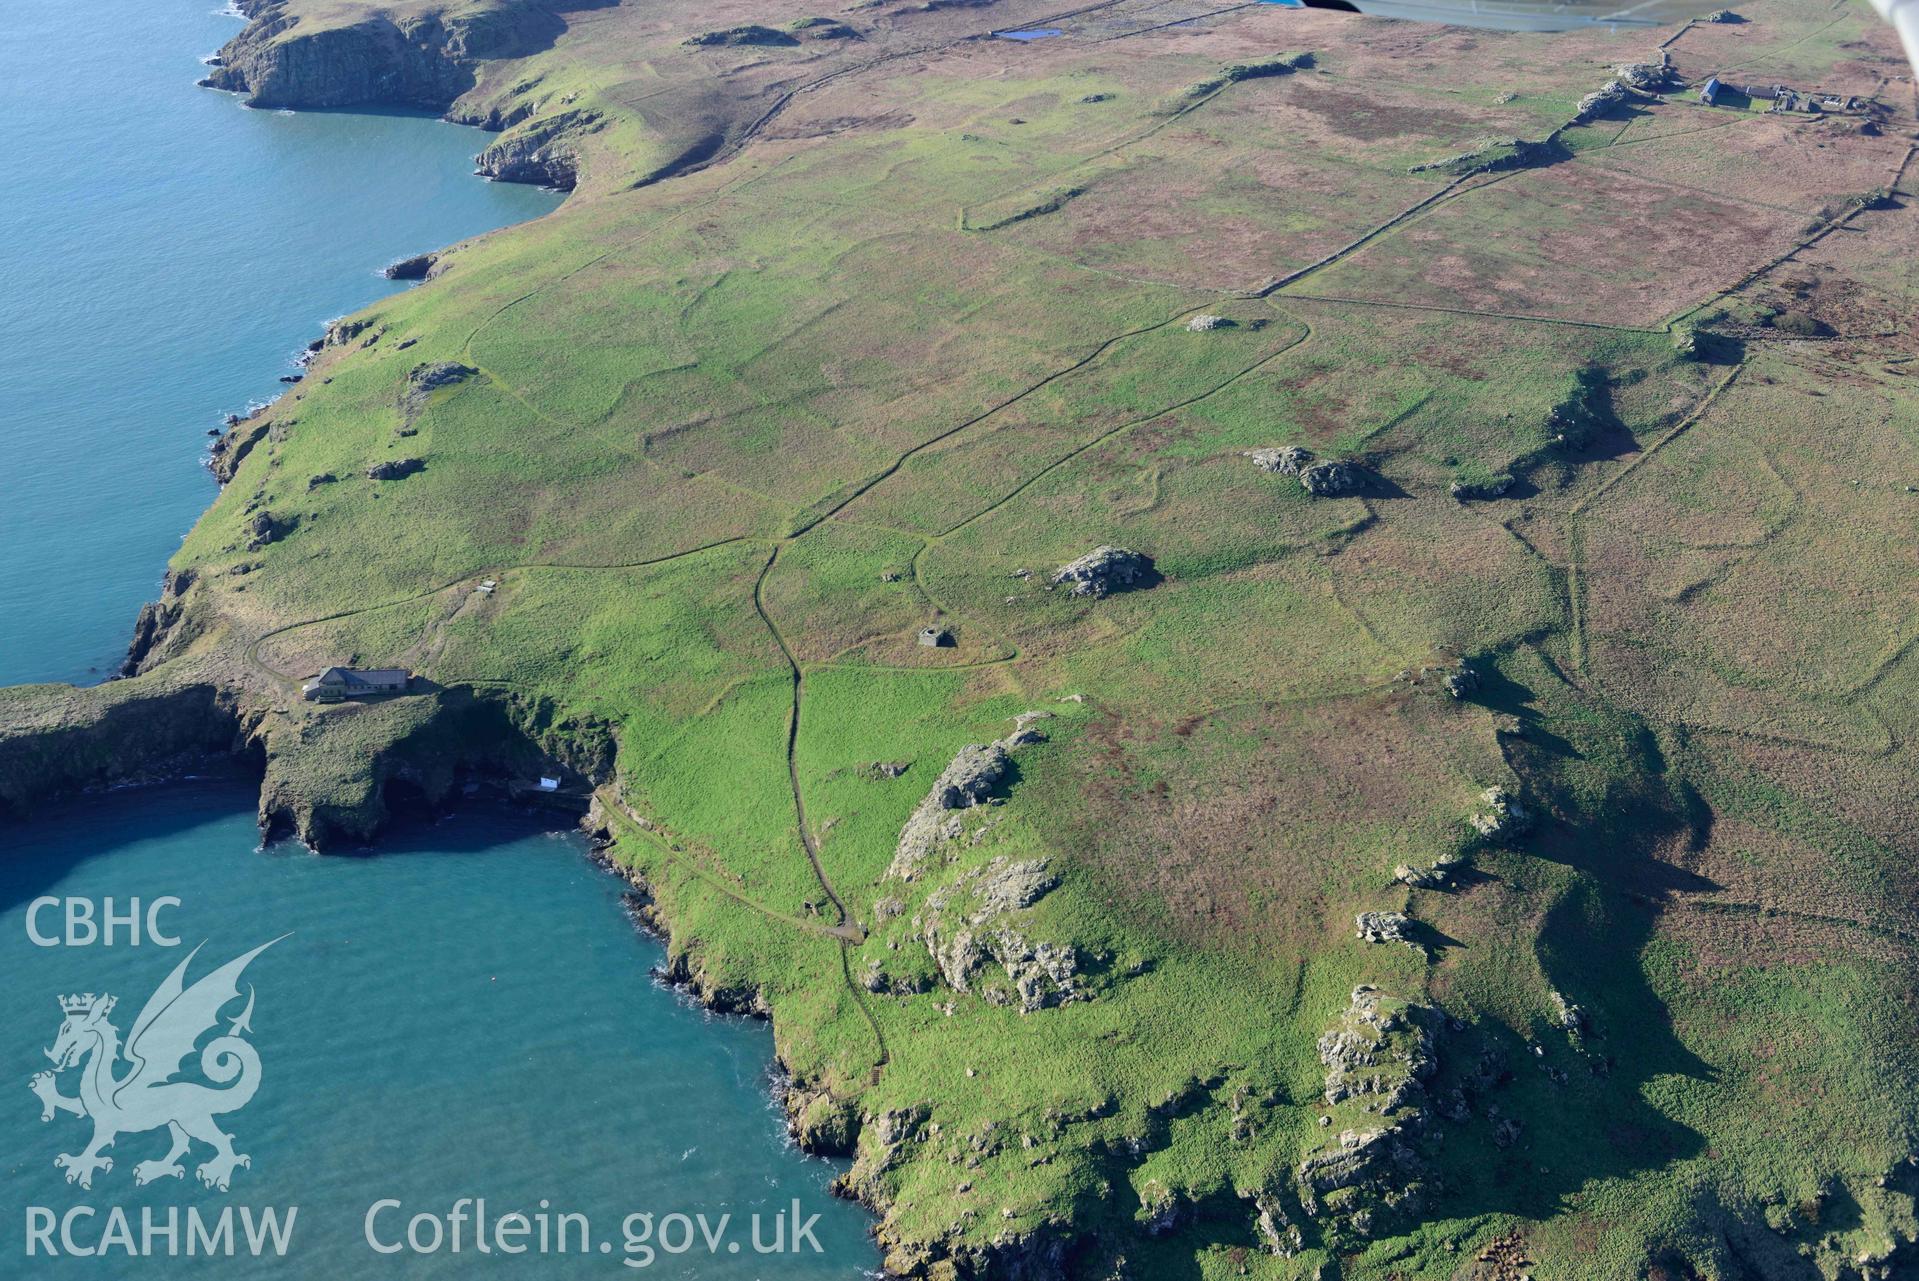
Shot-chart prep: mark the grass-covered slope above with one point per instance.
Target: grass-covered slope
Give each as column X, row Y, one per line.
column 1592, row 695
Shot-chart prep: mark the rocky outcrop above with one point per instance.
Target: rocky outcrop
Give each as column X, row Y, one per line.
column 1384, row 927
column 414, row 268
column 970, row 925
column 162, row 628
column 1331, row 477
column 56, row 740
column 1370, row 1180
column 1106, row 570
column 1502, row 816
column 1647, row 77
column 264, row 529
column 423, row 381
column 1482, row 490
column 1600, row 101
column 1381, row 1053
column 1281, row 460
column 395, row 468
column 544, row 152
column 1575, row 422
column 968, row 780
column 751, row 35
column 1439, row 875
column 423, row 60
column 239, row 439
column 1383, row 1050
column 427, row 379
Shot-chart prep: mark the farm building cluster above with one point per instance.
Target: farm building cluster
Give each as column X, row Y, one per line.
column 1784, row 98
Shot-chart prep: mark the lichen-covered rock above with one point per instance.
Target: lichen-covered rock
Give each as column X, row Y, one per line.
column 1201, row 323
column 1383, row 927
column 1467, row 491
column 267, row 528
column 1436, row 877
column 1575, row 422
column 1457, row 677
column 1572, row 1017
column 394, row 468
column 1281, row 460
column 1330, row 477
column 969, row 926
column 971, row 776
column 967, row 781
column 1461, row 681
column 1503, row 817
column 1355, row 1189
column 1383, row 1051
column 1275, row 1227
column 1105, row 570
column 1381, row 1048
column 1600, row 101
column 1647, row 77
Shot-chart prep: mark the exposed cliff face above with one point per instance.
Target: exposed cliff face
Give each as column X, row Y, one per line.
column 55, row 740
column 163, row 627
column 424, row 60
column 330, row 777
column 541, row 152
column 334, row 778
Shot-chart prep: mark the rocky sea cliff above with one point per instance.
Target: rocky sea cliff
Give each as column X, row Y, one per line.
column 429, row 60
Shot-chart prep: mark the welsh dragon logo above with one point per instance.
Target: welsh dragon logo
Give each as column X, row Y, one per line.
column 145, row 1096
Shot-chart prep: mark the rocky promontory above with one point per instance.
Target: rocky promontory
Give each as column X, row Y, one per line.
column 421, row 58
column 329, row 777
column 428, row 57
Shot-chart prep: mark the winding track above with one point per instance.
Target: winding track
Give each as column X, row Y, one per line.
column 845, row 930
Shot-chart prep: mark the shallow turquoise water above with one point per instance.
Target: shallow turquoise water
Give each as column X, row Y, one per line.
column 468, row 1013
column 164, row 253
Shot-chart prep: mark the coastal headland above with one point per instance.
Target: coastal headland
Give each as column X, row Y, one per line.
column 1278, row 645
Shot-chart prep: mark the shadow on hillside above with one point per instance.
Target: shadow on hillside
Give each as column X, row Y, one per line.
column 1608, row 808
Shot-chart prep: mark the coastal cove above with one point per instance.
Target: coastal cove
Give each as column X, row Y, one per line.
column 465, row 1011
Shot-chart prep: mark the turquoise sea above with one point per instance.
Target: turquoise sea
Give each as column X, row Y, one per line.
column 465, row 1012
column 164, row 255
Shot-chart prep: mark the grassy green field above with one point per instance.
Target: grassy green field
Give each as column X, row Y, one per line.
column 914, row 333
